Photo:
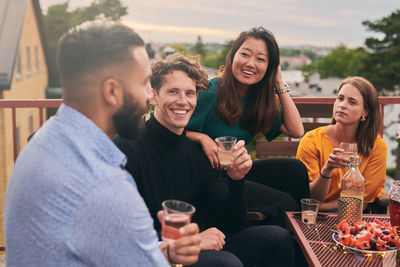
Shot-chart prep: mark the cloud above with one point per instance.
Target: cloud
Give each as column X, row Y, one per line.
column 178, row 29
column 172, row 33
column 292, row 21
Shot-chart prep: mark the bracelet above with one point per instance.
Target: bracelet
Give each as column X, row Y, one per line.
column 323, row 176
column 164, row 247
column 283, row 89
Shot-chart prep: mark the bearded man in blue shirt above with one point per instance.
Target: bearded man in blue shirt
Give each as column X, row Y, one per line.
column 70, row 201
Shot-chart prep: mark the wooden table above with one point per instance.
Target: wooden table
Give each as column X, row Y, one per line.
column 319, row 248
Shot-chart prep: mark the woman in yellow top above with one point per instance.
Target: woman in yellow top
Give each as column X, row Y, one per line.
column 356, row 119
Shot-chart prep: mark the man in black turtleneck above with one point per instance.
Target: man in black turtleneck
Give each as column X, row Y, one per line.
column 166, row 164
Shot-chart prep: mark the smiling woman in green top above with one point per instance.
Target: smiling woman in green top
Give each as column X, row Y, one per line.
column 248, row 99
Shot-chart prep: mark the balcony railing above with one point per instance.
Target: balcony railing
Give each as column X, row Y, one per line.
column 41, row 104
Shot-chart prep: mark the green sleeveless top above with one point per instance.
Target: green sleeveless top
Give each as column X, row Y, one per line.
column 206, row 120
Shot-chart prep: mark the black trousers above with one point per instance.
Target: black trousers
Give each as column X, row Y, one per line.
column 274, row 186
column 265, row 245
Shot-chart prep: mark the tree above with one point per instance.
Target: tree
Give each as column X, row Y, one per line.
column 58, row 20
column 217, row 58
column 289, row 52
column 199, row 48
column 308, row 70
column 379, row 63
column 382, row 66
column 180, row 48
column 224, row 53
column 110, row 9
column 312, row 55
column 340, row 62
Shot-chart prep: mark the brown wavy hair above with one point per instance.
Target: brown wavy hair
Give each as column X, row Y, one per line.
column 263, row 106
column 190, row 66
column 369, row 129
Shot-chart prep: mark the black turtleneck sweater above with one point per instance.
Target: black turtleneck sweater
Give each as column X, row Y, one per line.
column 169, row 166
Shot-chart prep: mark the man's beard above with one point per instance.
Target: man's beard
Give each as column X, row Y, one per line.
column 129, row 118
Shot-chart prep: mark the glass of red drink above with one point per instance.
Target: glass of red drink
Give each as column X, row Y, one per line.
column 394, row 204
column 176, row 214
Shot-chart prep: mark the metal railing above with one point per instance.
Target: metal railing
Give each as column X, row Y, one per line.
column 41, row 104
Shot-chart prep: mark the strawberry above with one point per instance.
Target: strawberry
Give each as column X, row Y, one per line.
column 346, row 230
column 376, row 232
column 379, row 222
column 342, row 225
column 374, row 225
column 353, row 230
column 360, row 226
column 345, row 239
column 380, row 245
column 387, row 225
column 363, row 245
column 388, row 238
column 372, row 243
column 365, row 236
column 396, row 241
column 353, row 241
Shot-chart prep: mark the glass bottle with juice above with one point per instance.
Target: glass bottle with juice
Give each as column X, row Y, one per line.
column 351, row 200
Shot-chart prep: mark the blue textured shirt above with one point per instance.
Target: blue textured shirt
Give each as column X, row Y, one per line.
column 70, row 202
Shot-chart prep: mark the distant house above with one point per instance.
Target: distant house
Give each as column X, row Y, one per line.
column 291, row 62
column 23, row 75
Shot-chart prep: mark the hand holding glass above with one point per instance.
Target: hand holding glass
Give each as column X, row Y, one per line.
column 309, row 210
column 348, row 149
column 176, row 214
column 225, row 145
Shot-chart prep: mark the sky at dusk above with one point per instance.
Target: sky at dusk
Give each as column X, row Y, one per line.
column 301, row 22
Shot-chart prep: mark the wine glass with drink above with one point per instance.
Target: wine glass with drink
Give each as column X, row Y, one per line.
column 348, row 149
column 225, row 145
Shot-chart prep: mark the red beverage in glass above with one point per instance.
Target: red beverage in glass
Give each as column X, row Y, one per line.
column 394, row 211
column 171, row 225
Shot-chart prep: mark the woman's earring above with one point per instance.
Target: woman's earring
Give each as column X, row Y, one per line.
column 362, row 118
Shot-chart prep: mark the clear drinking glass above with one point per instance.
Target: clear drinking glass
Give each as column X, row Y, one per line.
column 225, row 145
column 176, row 214
column 348, row 149
column 309, row 210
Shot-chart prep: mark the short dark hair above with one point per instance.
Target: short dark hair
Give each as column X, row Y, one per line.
column 178, row 62
column 92, row 46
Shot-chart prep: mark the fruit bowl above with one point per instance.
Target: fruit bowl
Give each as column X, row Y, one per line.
column 365, row 252
column 375, row 237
